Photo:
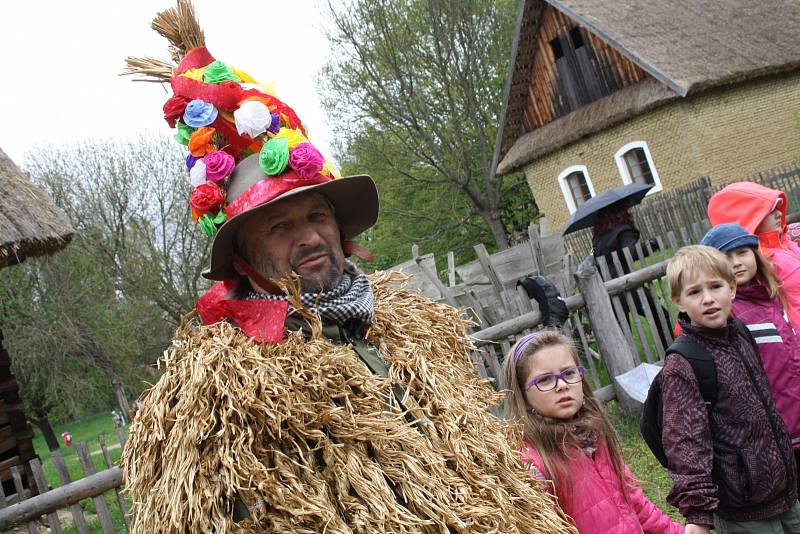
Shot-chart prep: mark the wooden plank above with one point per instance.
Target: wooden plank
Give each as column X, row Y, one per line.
column 616, row 303
column 632, row 308
column 121, row 437
column 486, row 265
column 78, row 518
column 451, row 268
column 120, row 498
column 663, row 321
column 43, row 487
column 617, row 354
column 68, row 494
column 100, row 504
column 21, row 494
column 647, row 313
column 587, row 349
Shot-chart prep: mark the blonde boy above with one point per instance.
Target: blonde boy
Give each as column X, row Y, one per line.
column 730, row 461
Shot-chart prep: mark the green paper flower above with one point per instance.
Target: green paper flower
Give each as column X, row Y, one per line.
column 218, row 72
column 184, row 133
column 274, row 156
column 208, row 224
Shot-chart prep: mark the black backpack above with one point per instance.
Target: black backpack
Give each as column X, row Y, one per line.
column 652, row 419
column 545, row 293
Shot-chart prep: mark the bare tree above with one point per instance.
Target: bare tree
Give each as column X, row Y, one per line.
column 421, row 82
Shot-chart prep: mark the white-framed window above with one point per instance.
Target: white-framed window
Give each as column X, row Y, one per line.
column 576, row 186
column 635, row 164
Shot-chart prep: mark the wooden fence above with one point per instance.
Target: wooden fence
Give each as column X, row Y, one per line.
column 40, row 507
column 671, row 210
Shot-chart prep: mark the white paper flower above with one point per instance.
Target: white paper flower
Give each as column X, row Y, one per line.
column 252, row 118
column 198, row 173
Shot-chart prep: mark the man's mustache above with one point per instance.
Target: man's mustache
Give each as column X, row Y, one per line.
column 305, row 254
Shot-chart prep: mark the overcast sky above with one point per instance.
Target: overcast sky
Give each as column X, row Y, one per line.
column 60, row 80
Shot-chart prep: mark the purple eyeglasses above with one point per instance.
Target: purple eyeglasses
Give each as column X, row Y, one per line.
column 570, row 375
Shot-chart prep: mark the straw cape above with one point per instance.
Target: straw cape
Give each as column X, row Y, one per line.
column 30, row 224
column 312, row 441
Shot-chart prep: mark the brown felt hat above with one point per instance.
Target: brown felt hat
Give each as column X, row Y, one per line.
column 250, row 191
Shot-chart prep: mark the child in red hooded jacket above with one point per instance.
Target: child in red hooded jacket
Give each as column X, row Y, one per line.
column 762, row 211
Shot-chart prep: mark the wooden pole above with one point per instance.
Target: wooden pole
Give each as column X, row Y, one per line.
column 614, row 348
column 54, row 499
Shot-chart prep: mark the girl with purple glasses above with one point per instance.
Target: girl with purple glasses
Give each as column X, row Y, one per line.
column 570, row 447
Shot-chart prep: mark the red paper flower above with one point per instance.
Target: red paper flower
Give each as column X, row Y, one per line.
column 207, row 198
column 174, row 108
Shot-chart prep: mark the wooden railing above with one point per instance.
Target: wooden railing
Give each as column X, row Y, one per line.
column 31, row 508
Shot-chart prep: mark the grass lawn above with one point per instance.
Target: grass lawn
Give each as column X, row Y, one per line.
column 86, row 430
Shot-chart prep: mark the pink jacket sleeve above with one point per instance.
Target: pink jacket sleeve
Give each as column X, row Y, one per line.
column 652, row 519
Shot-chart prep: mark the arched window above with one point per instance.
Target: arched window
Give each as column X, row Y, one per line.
column 635, row 164
column 576, row 186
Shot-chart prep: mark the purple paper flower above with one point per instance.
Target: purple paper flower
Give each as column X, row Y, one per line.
column 275, row 126
column 199, row 113
column 306, row 160
column 190, row 161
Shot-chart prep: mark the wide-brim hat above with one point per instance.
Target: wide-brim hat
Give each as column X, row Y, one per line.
column 354, row 200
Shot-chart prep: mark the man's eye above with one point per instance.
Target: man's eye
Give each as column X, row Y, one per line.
column 279, row 226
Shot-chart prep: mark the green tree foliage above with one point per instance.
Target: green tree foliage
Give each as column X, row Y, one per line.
column 415, row 87
column 85, row 326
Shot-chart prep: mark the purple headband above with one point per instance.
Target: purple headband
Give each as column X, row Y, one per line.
column 522, row 343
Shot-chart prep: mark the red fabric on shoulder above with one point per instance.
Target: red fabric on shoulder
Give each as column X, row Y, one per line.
column 262, row 320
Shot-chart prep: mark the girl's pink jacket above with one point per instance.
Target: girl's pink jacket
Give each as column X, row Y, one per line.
column 597, row 503
column 747, row 203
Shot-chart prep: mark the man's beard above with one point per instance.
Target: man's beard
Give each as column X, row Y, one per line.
column 321, row 283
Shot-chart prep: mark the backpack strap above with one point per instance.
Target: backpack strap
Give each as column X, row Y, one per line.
column 746, row 333
column 702, row 364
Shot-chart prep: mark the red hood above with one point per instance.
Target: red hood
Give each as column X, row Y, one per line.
column 263, row 320
column 746, row 203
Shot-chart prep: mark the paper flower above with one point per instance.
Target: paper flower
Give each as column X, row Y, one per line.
column 219, row 165
column 194, row 74
column 328, row 168
column 252, row 118
column 184, row 133
column 199, row 113
column 208, row 224
column 200, row 142
column 197, row 174
column 190, row 161
column 207, row 198
column 306, row 160
column 276, row 123
column 274, row 156
column 294, row 137
column 173, row 109
column 217, row 72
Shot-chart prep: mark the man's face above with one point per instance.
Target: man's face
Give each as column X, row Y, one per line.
column 297, row 234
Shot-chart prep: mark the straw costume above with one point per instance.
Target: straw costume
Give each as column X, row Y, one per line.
column 355, row 410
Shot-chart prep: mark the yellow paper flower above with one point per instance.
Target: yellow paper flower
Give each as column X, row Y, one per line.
column 328, row 168
column 294, row 137
column 195, row 74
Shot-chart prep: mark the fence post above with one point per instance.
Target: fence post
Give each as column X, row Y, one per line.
column 614, row 349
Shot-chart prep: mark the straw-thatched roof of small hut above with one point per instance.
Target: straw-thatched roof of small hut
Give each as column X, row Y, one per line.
column 686, row 46
column 30, row 224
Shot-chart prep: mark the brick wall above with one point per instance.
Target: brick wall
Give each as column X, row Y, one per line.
column 723, row 133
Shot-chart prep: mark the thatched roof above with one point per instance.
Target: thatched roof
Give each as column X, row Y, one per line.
column 30, row 224
column 687, row 45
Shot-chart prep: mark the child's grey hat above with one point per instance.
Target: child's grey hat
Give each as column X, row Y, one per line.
column 729, row 236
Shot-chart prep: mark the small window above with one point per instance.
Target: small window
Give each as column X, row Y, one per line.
column 635, row 165
column 577, row 37
column 576, row 186
column 558, row 52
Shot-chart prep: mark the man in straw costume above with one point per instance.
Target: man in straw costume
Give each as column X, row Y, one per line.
column 313, row 398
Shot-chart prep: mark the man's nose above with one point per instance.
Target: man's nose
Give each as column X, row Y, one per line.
column 307, row 235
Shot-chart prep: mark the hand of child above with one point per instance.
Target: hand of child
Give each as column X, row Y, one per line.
column 691, row 528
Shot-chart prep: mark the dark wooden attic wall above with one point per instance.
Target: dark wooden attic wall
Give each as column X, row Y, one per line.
column 552, row 91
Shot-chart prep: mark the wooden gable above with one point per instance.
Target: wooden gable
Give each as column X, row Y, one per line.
column 586, row 70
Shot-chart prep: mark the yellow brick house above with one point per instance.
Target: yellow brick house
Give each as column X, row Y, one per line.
column 604, row 92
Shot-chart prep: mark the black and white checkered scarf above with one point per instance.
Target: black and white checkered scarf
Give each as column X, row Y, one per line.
column 350, row 299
